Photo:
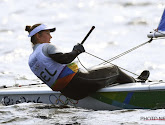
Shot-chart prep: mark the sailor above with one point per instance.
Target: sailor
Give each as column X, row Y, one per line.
column 60, row 73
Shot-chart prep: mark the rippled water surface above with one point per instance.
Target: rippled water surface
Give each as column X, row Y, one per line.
column 120, row 25
column 41, row 114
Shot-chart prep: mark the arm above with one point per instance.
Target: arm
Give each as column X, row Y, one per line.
column 64, row 58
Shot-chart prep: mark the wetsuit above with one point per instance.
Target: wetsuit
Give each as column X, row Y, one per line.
column 84, row 83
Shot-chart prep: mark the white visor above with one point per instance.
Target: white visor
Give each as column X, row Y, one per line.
column 40, row 28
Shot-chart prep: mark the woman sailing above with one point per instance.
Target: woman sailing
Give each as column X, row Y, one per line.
column 60, row 73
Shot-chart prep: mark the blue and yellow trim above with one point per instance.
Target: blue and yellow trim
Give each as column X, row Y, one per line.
column 65, row 77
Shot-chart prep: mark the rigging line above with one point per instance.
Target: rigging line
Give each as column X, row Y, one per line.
column 111, row 63
column 81, row 63
column 158, row 38
column 124, row 53
column 160, row 32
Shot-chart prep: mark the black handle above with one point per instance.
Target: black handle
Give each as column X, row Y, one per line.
column 88, row 34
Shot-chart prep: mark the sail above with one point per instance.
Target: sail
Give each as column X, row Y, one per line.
column 160, row 31
column 161, row 26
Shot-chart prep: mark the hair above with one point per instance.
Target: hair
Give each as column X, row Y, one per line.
column 29, row 29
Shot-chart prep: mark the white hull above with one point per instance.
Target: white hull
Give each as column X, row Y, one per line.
column 43, row 94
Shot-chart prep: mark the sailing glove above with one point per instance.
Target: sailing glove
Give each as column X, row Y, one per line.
column 79, row 48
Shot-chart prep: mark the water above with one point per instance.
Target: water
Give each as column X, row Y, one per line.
column 120, row 25
column 41, row 114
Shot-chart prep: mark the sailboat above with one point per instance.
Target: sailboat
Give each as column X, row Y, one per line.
column 140, row 95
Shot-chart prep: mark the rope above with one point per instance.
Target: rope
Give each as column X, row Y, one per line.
column 126, row 52
column 116, row 57
column 111, row 63
column 81, row 63
column 160, row 32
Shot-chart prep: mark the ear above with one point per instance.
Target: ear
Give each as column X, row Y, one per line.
column 38, row 36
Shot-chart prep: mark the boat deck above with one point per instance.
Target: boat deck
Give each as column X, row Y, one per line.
column 43, row 88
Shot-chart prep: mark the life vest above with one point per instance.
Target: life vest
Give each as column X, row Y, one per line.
column 54, row 74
